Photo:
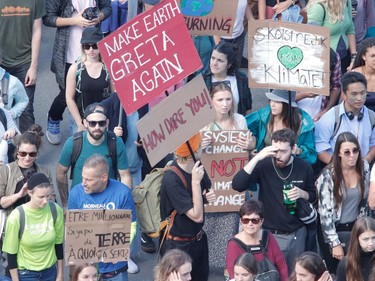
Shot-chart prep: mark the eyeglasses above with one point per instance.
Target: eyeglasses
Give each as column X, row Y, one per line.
column 88, row 46
column 355, row 151
column 253, row 221
column 24, row 154
column 101, row 123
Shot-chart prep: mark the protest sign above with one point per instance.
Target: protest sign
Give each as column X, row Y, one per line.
column 222, row 159
column 175, row 120
column 209, row 17
column 289, row 56
column 97, row 236
column 149, row 54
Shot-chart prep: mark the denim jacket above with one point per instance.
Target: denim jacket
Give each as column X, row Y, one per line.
column 17, row 97
column 329, row 215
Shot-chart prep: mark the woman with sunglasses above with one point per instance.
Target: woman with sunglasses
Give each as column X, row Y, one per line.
column 13, row 176
column 223, row 68
column 219, row 226
column 251, row 214
column 343, row 188
column 310, row 267
column 281, row 114
column 87, row 80
column 360, row 253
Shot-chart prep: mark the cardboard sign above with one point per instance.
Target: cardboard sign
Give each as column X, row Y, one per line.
column 149, row 54
column 222, row 160
column 97, row 236
column 289, row 56
column 175, row 119
column 204, row 17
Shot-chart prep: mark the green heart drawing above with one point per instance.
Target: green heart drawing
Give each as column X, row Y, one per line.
column 290, row 57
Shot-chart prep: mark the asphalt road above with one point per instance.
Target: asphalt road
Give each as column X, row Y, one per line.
column 46, row 90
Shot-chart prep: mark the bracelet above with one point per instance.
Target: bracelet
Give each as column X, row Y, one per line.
column 353, row 56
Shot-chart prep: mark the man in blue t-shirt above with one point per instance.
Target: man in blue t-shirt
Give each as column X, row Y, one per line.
column 94, row 140
column 98, row 191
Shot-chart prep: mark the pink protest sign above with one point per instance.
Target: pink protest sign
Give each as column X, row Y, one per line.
column 149, row 54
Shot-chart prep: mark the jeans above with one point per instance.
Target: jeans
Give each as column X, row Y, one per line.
column 48, row 274
column 122, row 276
column 292, row 245
column 27, row 117
column 59, row 103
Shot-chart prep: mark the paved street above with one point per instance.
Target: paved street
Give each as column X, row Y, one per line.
column 46, row 90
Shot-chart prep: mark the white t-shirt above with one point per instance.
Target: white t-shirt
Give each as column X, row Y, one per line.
column 238, row 23
column 75, row 32
column 311, row 105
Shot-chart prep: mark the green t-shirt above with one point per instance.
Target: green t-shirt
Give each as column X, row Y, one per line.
column 36, row 249
column 88, row 150
column 338, row 30
column 16, row 25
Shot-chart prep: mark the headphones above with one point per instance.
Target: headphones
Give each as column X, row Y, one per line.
column 351, row 115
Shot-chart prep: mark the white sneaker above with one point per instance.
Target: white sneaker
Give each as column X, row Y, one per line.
column 132, row 267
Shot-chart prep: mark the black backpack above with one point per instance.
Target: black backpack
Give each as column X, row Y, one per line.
column 77, row 148
column 267, row 271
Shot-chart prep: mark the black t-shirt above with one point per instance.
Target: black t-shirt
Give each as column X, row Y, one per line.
column 175, row 196
column 276, row 215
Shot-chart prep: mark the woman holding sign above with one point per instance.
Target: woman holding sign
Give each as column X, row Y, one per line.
column 343, row 188
column 277, row 116
column 221, row 226
column 34, row 235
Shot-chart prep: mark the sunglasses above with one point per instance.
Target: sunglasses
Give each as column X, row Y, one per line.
column 88, row 46
column 224, row 82
column 355, row 151
column 93, row 124
column 24, row 154
column 253, row 221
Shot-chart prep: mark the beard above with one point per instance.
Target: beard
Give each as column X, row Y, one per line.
column 96, row 134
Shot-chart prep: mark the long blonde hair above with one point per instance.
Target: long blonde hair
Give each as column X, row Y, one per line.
column 334, row 8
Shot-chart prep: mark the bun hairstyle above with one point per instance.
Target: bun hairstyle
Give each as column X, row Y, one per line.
column 32, row 136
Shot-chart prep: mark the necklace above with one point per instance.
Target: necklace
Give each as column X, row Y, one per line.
column 277, row 172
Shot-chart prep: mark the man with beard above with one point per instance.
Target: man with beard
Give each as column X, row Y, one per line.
column 94, row 141
column 272, row 168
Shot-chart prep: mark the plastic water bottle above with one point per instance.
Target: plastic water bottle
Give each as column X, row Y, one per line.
column 4, row 151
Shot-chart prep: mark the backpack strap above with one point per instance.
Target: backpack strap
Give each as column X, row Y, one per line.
column 22, row 217
column 77, row 147
column 324, row 12
column 5, row 88
column 372, row 118
column 179, row 174
column 264, row 242
column 22, row 221
column 112, row 149
column 337, row 125
column 3, row 119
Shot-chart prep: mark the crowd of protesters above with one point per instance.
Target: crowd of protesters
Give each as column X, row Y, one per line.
column 310, row 157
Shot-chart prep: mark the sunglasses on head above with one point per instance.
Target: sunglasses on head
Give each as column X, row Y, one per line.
column 355, row 151
column 24, row 154
column 101, row 123
column 88, row 46
column 253, row 221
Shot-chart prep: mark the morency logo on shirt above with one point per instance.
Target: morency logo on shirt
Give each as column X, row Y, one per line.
column 108, row 206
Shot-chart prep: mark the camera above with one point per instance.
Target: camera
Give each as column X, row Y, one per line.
column 91, row 13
